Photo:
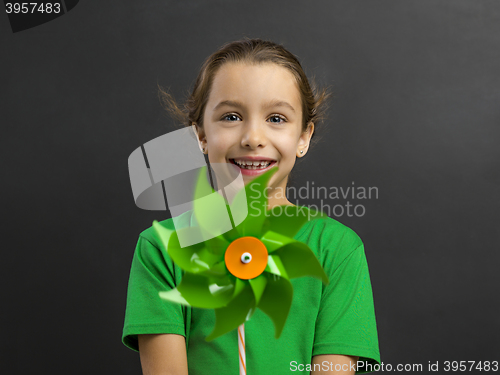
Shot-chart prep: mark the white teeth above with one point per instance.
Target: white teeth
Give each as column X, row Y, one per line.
column 247, row 164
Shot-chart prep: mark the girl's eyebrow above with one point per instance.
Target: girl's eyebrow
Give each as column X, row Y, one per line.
column 279, row 103
column 272, row 103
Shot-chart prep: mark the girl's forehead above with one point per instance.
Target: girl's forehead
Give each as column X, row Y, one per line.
column 254, row 81
column 241, row 70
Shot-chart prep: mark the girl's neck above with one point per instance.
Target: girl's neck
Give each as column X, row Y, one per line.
column 278, row 200
column 276, row 197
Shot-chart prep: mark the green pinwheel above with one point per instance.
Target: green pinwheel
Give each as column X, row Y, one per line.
column 247, row 267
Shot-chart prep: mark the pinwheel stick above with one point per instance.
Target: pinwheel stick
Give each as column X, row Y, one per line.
column 241, row 349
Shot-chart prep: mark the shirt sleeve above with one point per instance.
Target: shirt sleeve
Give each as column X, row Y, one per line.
column 152, row 271
column 346, row 319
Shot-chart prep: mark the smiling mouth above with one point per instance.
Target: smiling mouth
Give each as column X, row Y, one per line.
column 253, row 165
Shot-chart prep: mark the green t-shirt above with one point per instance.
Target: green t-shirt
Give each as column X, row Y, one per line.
column 338, row 318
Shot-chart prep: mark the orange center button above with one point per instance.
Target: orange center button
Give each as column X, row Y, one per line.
column 246, row 258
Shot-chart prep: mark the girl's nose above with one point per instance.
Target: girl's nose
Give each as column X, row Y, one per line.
column 253, row 135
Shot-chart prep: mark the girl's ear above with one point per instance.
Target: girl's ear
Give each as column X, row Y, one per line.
column 304, row 140
column 201, row 138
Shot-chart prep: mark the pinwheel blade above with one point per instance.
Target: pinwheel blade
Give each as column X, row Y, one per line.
column 195, row 258
column 258, row 286
column 256, row 198
column 217, row 270
column 231, row 235
column 273, row 241
column 239, row 207
column 200, row 291
column 174, row 296
column 299, row 260
column 239, row 285
column 276, row 301
column 275, row 266
column 233, row 314
column 217, row 245
column 183, row 257
column 209, row 208
column 164, row 233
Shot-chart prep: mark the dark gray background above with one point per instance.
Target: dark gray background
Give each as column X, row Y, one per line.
column 416, row 113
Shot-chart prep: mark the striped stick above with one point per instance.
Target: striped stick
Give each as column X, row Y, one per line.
column 241, row 349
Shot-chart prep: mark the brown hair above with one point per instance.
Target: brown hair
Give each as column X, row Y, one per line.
column 255, row 51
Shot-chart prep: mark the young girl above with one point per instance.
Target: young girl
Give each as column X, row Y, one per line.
column 252, row 105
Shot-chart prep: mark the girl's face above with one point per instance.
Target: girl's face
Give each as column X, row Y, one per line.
column 254, row 113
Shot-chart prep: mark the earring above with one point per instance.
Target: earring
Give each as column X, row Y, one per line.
column 301, row 151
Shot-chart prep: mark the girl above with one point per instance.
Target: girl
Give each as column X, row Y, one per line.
column 252, row 106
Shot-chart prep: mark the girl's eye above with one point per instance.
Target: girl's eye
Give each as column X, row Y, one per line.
column 230, row 117
column 277, row 119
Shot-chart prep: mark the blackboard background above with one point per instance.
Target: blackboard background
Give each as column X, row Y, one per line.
column 416, row 114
